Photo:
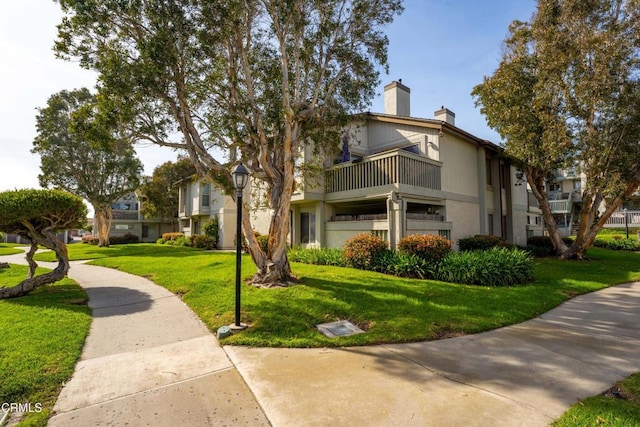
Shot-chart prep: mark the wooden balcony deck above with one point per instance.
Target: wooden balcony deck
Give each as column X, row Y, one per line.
column 391, row 168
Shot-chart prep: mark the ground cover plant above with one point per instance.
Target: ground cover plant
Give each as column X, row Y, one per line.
column 390, row 309
column 42, row 337
column 617, row 407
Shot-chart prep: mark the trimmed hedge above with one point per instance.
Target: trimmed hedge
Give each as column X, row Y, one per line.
column 362, row 250
column 430, row 248
column 482, row 242
column 113, row 240
column 621, row 244
column 541, row 246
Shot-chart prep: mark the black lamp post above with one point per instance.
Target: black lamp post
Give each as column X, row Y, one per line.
column 240, row 177
column 626, row 221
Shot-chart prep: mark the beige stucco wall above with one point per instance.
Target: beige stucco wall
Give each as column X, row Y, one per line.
column 465, row 218
column 337, row 233
column 459, row 166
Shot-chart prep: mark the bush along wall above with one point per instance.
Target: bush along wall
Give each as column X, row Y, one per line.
column 428, row 257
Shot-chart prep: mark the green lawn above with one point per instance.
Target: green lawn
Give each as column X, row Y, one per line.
column 619, row 409
column 9, row 249
column 390, row 309
column 42, row 335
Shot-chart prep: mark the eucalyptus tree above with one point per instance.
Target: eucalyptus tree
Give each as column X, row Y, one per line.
column 258, row 79
column 566, row 93
column 84, row 151
column 38, row 215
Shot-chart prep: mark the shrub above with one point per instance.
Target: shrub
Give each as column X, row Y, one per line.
column 182, row 241
column 172, row 236
column 362, row 250
column 404, row 265
column 427, row 247
column 491, row 267
column 541, row 246
column 160, row 241
column 202, row 242
column 482, row 242
column 88, row 238
column 124, row 240
column 211, row 229
column 317, row 256
column 618, row 244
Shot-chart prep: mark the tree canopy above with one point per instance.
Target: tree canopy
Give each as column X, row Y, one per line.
column 160, row 193
column 567, row 93
column 38, row 215
column 253, row 80
column 84, row 150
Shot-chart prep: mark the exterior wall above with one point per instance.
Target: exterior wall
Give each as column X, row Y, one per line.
column 337, row 233
column 465, row 219
column 459, row 166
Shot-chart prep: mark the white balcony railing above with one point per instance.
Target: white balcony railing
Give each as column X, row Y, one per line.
column 390, row 168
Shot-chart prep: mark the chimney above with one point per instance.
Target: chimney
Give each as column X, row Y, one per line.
column 397, row 99
column 446, row 115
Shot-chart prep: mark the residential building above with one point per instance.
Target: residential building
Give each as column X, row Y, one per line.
column 127, row 219
column 398, row 175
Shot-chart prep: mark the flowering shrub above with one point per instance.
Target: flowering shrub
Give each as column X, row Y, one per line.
column 427, row 247
column 171, row 236
column 362, row 251
column 88, row 238
column 482, row 242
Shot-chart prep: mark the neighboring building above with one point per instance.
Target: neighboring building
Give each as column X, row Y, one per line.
column 397, row 175
column 127, row 219
column 565, row 195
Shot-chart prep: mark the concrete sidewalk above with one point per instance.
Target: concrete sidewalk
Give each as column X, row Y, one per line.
column 149, row 361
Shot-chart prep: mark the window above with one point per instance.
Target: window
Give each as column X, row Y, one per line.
column 488, row 171
column 206, row 191
column 445, row 233
column 504, row 171
column 307, row 227
column 122, row 227
column 145, row 231
column 412, row 149
column 577, row 185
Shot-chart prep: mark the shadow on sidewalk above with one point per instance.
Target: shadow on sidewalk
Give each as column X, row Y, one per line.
column 117, row 301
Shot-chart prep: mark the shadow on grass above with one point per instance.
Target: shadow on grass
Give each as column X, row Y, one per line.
column 60, row 295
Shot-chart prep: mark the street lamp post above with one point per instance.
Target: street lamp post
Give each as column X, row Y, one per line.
column 240, row 177
column 626, row 222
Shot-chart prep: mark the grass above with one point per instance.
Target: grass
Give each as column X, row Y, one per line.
column 9, row 249
column 619, row 407
column 390, row 309
column 42, row 337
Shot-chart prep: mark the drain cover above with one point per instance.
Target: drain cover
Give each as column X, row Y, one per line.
column 342, row 328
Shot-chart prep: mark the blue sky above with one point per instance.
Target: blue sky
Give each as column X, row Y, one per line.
column 440, row 49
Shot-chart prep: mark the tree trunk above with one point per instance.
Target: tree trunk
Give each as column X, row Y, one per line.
column 103, row 224
column 537, row 183
column 50, row 241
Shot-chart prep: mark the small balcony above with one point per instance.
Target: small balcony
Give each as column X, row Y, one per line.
column 392, row 169
column 125, row 215
column 562, row 202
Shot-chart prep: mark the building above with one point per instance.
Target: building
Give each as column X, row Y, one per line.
column 127, row 219
column 403, row 175
column 397, row 175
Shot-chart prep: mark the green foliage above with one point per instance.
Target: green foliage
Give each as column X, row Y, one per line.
column 160, row 241
column 332, row 53
column 212, row 229
column 161, row 192
column 51, row 210
column 263, row 242
column 202, row 242
column 542, row 246
column 619, row 244
column 482, row 242
column 81, row 149
column 127, row 239
column 317, row 256
column 362, row 250
column 427, row 247
column 566, row 93
column 491, row 267
column 404, row 265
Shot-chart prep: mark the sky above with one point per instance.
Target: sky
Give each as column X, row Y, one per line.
column 440, row 49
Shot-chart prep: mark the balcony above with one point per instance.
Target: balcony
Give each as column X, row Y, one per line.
column 125, row 215
column 391, row 169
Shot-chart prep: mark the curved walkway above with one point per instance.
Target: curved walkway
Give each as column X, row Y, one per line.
column 149, row 361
